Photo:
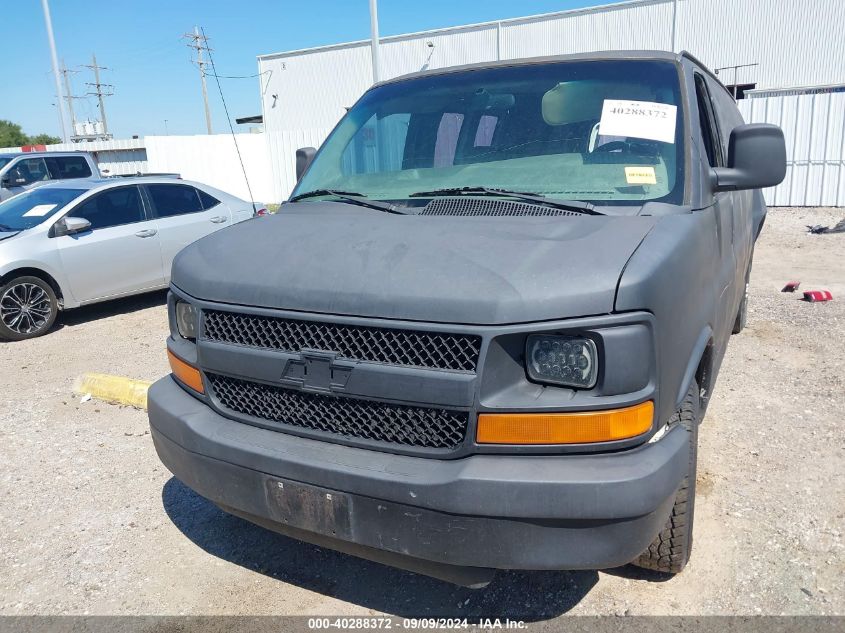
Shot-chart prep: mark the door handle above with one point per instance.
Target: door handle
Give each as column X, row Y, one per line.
column 217, row 219
column 146, row 233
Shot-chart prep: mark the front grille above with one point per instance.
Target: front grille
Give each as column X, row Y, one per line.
column 486, row 206
column 410, row 348
column 348, row 417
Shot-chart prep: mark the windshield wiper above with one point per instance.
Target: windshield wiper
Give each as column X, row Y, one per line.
column 569, row 205
column 350, row 196
column 6, row 228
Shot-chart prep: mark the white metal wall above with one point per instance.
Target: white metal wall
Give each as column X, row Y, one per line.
column 814, row 128
column 213, row 160
column 795, row 43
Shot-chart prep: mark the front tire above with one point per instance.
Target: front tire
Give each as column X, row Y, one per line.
column 670, row 550
column 28, row 308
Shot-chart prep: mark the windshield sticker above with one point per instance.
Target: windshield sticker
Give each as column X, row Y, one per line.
column 640, row 176
column 39, row 210
column 638, row 119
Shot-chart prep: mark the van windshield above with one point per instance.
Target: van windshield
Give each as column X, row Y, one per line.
column 606, row 132
column 32, row 207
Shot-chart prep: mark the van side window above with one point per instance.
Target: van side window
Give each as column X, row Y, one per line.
column 709, row 130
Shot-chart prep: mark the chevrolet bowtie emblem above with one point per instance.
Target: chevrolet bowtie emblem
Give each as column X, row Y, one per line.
column 317, row 371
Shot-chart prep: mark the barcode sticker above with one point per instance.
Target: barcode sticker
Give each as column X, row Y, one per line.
column 638, row 119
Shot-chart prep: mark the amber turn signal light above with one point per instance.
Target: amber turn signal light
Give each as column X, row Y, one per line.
column 187, row 374
column 565, row 428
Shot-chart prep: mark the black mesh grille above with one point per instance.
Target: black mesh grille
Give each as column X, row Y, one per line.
column 348, row 417
column 486, row 206
column 410, row 348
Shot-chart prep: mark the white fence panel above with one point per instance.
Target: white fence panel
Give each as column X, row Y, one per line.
column 282, row 147
column 814, row 128
column 213, row 160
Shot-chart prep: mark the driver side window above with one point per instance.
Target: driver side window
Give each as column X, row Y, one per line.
column 113, row 207
column 31, row 170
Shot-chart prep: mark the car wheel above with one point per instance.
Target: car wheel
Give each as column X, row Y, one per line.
column 670, row 550
column 28, row 308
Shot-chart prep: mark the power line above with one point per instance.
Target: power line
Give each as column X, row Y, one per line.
column 69, row 96
column 100, row 90
column 231, row 128
column 200, row 44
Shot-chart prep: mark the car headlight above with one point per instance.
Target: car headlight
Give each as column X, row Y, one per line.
column 187, row 319
column 562, row 360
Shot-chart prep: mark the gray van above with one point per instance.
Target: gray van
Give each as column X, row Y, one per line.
column 498, row 303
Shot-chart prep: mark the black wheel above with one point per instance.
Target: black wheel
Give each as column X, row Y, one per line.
column 28, row 308
column 670, row 550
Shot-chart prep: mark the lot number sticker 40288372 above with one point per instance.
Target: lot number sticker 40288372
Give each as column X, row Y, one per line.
column 638, row 119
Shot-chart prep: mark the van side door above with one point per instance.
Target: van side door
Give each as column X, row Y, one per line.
column 742, row 212
column 722, row 208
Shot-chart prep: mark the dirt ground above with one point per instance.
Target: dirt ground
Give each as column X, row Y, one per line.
column 92, row 523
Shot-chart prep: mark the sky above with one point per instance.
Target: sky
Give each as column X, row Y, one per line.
column 150, row 65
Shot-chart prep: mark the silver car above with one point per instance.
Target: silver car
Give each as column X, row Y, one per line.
column 69, row 244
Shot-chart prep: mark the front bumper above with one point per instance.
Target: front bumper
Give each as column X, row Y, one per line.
column 483, row 511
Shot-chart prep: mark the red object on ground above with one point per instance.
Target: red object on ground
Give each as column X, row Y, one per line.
column 817, row 295
column 791, row 286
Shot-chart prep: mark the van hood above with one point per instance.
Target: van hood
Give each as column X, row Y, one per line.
column 332, row 258
column 5, row 235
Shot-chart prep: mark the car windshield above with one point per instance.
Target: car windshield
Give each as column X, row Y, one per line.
column 606, row 132
column 32, row 207
column 4, row 160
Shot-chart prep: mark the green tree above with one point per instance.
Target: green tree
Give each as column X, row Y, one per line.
column 44, row 139
column 11, row 134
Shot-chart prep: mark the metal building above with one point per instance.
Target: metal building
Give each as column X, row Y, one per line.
column 755, row 44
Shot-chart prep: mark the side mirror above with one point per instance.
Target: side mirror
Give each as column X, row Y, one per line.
column 756, row 159
column 71, row 226
column 304, row 156
column 14, row 178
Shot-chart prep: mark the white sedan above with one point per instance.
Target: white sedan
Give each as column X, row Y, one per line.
column 69, row 244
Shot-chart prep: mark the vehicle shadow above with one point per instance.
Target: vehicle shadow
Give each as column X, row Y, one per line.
column 527, row 596
column 111, row 308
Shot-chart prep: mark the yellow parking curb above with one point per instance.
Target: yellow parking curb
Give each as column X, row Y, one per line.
column 114, row 389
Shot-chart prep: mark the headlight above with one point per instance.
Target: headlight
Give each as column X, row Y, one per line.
column 562, row 360
column 187, row 319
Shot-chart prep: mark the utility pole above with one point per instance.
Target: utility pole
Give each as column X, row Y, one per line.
column 374, row 38
column 69, row 96
column 200, row 44
column 55, row 61
column 99, row 91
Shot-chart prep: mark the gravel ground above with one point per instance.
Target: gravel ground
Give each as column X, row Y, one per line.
column 92, row 523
